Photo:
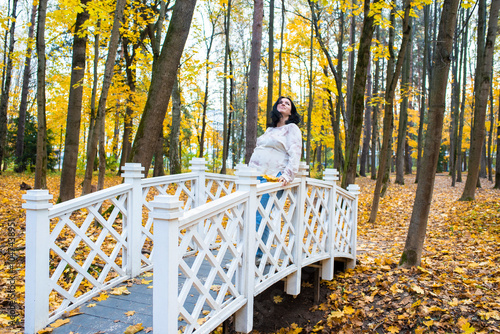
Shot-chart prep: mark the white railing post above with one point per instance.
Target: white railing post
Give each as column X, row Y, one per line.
column 198, row 166
column 354, row 190
column 247, row 181
column 293, row 281
column 36, row 304
column 132, row 174
column 166, row 213
column 331, row 175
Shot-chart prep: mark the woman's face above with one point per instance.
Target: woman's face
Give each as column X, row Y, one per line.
column 285, row 107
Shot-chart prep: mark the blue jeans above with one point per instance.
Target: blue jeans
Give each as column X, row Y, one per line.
column 263, row 201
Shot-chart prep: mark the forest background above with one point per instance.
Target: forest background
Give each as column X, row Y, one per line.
column 87, row 84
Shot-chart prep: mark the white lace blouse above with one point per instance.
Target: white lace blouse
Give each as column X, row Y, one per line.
column 278, row 150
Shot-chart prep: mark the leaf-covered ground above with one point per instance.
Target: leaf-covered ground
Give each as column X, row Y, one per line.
column 456, row 289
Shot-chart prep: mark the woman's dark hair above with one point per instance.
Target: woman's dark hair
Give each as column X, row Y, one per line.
column 276, row 115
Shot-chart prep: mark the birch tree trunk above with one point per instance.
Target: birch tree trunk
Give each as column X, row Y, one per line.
column 412, row 252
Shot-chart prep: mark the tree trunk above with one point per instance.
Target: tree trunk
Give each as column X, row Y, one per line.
column 358, row 97
column 310, row 102
column 201, row 142
column 23, row 107
column 270, row 73
column 375, row 115
column 412, row 252
column 4, row 98
column 455, row 101
column 463, row 71
column 72, row 140
column 102, row 155
column 392, row 79
column 367, row 133
column 497, row 164
column 350, row 64
column 41, row 139
column 162, row 82
column 423, row 98
column 403, row 115
column 253, row 80
column 226, row 131
column 490, row 137
column 338, row 78
column 173, row 153
column 127, row 122
column 158, row 165
column 482, row 83
column 281, row 45
column 101, row 108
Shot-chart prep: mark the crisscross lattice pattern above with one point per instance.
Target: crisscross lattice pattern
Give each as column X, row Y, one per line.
column 201, row 295
column 183, row 190
column 87, row 250
column 277, row 249
column 343, row 223
column 316, row 216
column 216, row 188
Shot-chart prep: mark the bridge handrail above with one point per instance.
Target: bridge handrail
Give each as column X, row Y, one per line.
column 120, row 214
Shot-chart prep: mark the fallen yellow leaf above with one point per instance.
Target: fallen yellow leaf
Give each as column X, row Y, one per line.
column 91, row 305
column 129, row 313
column 277, row 299
column 132, row 329
column 122, row 290
column 59, row 323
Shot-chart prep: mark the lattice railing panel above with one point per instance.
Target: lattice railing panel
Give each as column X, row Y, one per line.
column 215, row 188
column 316, row 215
column 207, row 281
column 87, row 251
column 277, row 217
column 342, row 235
column 183, row 190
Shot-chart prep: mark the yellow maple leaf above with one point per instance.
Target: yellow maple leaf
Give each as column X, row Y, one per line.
column 122, row 290
column 429, row 323
column 148, row 274
column 417, row 303
column 59, row 323
column 91, row 305
column 129, row 313
column 215, row 287
column 132, row 329
column 459, row 270
column 419, row 330
column 201, row 321
column 393, row 329
column 102, row 296
column 436, row 309
column 145, row 282
column 454, row 302
column 72, row 313
column 277, row 299
column 336, row 314
column 45, row 330
column 348, row 310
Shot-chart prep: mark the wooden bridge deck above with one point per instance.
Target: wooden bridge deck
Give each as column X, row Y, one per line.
column 109, row 316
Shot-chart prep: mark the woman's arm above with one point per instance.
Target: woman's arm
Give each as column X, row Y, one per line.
column 294, row 148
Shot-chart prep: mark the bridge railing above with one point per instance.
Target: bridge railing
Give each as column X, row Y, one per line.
column 303, row 224
column 78, row 249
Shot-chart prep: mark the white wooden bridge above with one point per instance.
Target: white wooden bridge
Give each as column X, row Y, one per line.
column 201, row 237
